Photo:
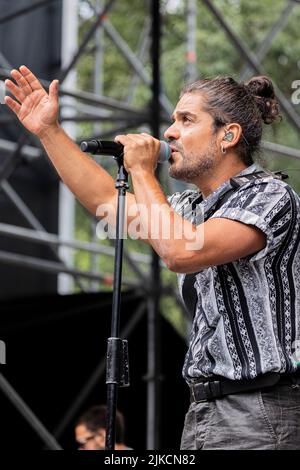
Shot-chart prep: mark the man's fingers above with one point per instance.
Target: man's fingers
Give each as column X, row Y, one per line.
column 23, row 84
column 30, row 78
column 12, row 104
column 53, row 90
column 120, row 139
column 16, row 91
column 126, row 139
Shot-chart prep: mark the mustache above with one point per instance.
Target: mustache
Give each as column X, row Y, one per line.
column 176, row 146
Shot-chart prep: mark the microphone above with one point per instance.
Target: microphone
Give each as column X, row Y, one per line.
column 106, row 147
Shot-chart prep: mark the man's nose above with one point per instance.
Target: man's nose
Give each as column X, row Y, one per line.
column 172, row 133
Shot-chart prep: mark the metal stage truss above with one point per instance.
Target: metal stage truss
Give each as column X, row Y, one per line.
column 87, row 107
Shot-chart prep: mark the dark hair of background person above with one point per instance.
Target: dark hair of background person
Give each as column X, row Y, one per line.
column 95, row 418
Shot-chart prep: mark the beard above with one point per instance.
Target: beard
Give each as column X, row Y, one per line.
column 196, row 164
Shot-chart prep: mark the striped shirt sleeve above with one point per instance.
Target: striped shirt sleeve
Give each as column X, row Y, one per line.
column 265, row 204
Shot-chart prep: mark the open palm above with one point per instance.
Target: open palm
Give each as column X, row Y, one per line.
column 36, row 109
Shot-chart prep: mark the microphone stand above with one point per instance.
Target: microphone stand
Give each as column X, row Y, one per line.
column 117, row 365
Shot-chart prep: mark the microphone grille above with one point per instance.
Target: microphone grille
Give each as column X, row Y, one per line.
column 164, row 152
column 84, row 146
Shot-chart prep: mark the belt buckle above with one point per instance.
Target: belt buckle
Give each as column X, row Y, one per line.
column 211, row 389
column 194, row 397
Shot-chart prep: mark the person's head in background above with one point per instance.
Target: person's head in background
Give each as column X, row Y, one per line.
column 90, row 429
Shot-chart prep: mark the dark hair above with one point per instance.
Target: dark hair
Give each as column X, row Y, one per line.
column 95, row 418
column 248, row 104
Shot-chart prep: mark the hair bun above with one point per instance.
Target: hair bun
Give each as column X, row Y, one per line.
column 262, row 90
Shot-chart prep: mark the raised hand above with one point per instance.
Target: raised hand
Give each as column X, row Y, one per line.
column 36, row 109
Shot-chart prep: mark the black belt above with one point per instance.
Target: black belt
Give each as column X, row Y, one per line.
column 208, row 389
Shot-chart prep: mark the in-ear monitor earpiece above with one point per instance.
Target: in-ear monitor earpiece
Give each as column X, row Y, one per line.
column 228, row 136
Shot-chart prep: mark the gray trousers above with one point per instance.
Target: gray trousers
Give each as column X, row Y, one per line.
column 268, row 419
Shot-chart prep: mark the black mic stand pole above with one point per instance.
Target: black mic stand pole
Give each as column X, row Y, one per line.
column 117, row 370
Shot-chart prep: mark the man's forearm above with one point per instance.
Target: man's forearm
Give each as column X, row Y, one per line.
column 90, row 183
column 166, row 231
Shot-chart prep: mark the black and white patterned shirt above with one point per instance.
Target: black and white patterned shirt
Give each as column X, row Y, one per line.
column 247, row 315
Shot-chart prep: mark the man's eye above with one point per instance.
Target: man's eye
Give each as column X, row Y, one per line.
column 186, row 119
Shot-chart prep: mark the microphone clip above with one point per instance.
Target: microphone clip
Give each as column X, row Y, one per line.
column 122, row 177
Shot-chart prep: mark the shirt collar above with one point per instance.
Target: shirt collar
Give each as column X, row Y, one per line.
column 215, row 195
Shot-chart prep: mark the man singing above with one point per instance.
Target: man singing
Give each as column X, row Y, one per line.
column 237, row 256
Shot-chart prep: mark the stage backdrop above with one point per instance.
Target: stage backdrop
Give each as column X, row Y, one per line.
column 55, row 343
column 33, row 39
